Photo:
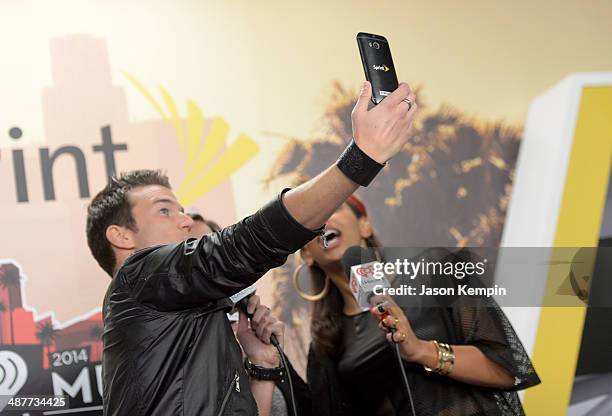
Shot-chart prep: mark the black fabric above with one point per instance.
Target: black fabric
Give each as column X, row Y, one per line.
column 366, row 356
column 301, row 391
column 358, row 166
column 357, row 382
column 168, row 346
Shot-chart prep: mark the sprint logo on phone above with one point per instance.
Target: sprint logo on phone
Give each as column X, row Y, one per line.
column 383, row 68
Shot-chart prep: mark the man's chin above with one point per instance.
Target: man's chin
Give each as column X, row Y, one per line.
column 165, row 242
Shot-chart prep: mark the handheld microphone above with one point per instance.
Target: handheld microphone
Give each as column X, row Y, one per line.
column 359, row 264
column 242, row 297
column 240, row 301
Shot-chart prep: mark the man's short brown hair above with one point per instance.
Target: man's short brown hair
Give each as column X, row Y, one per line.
column 111, row 206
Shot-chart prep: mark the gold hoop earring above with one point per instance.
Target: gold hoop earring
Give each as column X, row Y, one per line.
column 304, row 295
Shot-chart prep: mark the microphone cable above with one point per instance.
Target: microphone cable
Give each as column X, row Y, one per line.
column 275, row 342
column 404, row 376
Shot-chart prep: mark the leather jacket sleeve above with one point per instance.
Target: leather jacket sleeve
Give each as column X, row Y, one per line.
column 195, row 272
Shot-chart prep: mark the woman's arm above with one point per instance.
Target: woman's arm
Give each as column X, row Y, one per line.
column 471, row 365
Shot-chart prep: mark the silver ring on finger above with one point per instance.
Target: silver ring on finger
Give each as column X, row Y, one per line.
column 409, row 102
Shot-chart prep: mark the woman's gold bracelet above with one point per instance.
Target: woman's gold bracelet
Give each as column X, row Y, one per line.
column 446, row 359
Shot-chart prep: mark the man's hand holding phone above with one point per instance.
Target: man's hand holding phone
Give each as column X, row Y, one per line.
column 382, row 131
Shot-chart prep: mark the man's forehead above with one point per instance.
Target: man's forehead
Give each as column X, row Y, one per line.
column 149, row 194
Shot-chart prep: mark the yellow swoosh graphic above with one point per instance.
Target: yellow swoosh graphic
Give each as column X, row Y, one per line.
column 195, row 129
column 207, row 163
column 239, row 153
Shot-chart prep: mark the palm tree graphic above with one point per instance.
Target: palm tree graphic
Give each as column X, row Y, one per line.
column 46, row 334
column 448, row 187
column 10, row 279
column 2, row 310
column 96, row 334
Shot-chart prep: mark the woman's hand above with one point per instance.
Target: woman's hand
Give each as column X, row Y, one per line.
column 471, row 365
column 254, row 335
column 394, row 322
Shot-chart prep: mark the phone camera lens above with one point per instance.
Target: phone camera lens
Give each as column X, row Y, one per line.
column 376, row 45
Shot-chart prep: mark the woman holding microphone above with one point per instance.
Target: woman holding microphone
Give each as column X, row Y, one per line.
column 459, row 360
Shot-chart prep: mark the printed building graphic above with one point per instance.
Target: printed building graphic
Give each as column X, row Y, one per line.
column 20, row 326
column 88, row 134
column 51, row 288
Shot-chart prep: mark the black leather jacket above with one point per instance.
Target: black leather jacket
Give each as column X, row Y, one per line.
column 168, row 345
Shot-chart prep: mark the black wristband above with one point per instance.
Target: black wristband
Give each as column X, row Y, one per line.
column 357, row 166
column 262, row 373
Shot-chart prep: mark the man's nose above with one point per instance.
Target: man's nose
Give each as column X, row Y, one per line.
column 186, row 222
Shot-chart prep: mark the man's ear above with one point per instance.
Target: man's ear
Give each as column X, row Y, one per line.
column 306, row 256
column 365, row 228
column 120, row 237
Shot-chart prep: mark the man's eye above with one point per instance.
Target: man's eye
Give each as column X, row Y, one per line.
column 164, row 211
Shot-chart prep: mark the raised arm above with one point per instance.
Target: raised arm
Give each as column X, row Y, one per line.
column 194, row 272
column 379, row 134
column 191, row 273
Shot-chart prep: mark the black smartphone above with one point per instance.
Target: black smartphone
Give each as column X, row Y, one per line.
column 377, row 65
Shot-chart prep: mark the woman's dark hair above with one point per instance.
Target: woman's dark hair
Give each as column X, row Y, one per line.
column 211, row 224
column 326, row 319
